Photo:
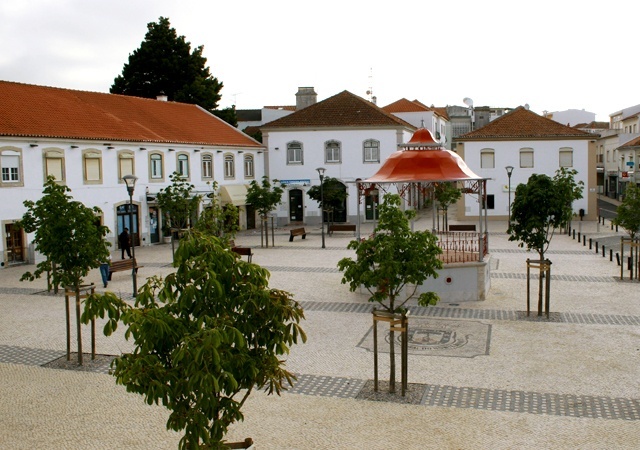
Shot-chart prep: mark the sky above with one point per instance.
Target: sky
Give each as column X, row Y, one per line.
column 553, row 55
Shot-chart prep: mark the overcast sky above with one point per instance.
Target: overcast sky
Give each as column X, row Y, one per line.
column 552, row 54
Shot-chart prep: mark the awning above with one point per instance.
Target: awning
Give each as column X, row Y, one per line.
column 236, row 194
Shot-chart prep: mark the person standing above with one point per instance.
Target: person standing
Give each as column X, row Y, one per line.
column 125, row 245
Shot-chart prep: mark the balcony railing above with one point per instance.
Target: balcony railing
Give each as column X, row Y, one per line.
column 461, row 247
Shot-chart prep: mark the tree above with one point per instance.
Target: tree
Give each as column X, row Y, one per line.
column 216, row 219
column 264, row 198
column 392, row 260
column 540, row 206
column 446, row 194
column 334, row 194
column 568, row 187
column 69, row 236
column 164, row 63
column 204, row 338
column 179, row 202
column 628, row 213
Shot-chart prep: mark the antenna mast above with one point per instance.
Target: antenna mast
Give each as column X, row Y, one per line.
column 372, row 98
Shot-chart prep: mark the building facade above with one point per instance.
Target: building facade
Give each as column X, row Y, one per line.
column 89, row 141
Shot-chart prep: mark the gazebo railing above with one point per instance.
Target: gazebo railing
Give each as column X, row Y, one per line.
column 461, row 246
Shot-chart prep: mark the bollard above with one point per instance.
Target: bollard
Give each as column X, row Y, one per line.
column 618, row 258
column 596, row 246
column 603, row 251
column 610, row 254
column 584, row 240
column 574, row 234
column 578, row 237
column 590, row 243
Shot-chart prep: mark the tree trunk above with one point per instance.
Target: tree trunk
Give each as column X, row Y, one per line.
column 392, row 351
column 78, row 324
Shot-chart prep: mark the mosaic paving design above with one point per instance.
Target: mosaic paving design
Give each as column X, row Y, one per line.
column 436, row 337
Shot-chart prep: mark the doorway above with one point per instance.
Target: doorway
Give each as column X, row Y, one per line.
column 14, row 248
column 251, row 217
column 124, row 222
column 154, row 225
column 371, row 205
column 295, row 206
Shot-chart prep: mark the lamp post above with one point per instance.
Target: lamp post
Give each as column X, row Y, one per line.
column 130, row 181
column 321, row 175
column 509, row 172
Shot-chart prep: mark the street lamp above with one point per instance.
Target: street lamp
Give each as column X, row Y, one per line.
column 130, row 181
column 321, row 174
column 509, row 172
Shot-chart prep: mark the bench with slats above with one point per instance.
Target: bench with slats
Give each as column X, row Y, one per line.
column 297, row 232
column 120, row 266
column 342, row 227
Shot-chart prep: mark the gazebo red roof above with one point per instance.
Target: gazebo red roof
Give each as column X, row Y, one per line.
column 423, row 159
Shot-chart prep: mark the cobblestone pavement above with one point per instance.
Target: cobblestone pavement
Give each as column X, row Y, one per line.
column 570, row 381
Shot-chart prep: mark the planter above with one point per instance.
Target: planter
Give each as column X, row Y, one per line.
column 166, row 239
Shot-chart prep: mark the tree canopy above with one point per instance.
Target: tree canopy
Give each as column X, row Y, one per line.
column 540, row 206
column 67, row 233
column 263, row 196
column 165, row 63
column 334, row 194
column 629, row 211
column 204, row 338
column 393, row 258
column 178, row 202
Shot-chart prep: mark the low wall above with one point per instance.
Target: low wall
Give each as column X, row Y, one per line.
column 461, row 282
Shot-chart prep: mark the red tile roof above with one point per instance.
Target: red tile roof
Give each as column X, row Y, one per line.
column 522, row 124
column 404, row 105
column 46, row 112
column 632, row 143
column 342, row 110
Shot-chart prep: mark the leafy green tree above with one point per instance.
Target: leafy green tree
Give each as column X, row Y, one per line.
column 628, row 213
column 264, row 198
column 68, row 235
column 204, row 338
column 216, row 219
column 334, row 194
column 565, row 181
column 165, row 63
column 229, row 115
column 392, row 261
column 446, row 194
column 178, row 202
column 540, row 206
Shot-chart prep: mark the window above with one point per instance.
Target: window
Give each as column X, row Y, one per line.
column 332, row 152
column 608, row 155
column 566, row 157
column 207, row 165
column 125, row 164
column 182, row 166
column 156, row 169
column 294, row 153
column 487, row 159
column 54, row 164
column 11, row 167
column 491, row 203
column 248, row 166
column 229, row 166
column 371, row 151
column 526, row 158
column 92, row 166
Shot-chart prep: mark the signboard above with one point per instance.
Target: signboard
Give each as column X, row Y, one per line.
column 630, row 163
column 287, row 182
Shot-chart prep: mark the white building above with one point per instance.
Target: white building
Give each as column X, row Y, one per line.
column 347, row 135
column 571, row 117
column 419, row 115
column 89, row 141
column 530, row 144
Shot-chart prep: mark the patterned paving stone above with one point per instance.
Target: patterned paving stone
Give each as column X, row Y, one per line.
column 28, row 356
column 327, row 386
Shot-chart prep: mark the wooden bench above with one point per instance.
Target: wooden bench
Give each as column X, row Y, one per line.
column 243, row 251
column 342, row 227
column 120, row 266
column 462, row 227
column 297, row 232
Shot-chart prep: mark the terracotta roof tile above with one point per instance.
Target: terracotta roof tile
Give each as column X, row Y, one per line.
column 632, row 143
column 38, row 111
column 342, row 110
column 523, row 124
column 404, row 105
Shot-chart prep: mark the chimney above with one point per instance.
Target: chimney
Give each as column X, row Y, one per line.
column 162, row 97
column 305, row 96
